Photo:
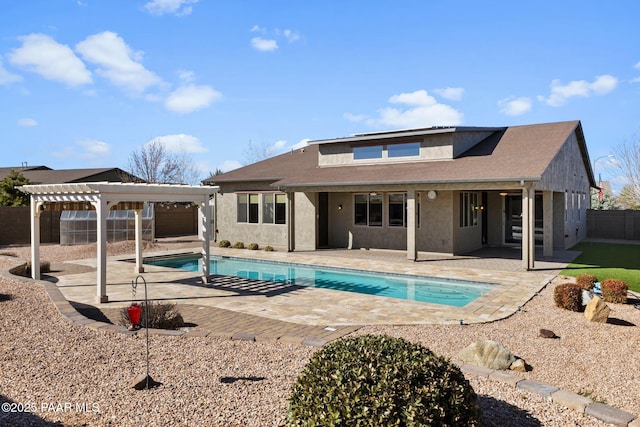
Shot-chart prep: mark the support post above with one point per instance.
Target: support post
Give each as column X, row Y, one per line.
column 138, row 228
column 547, row 206
column 101, row 233
column 528, row 226
column 412, row 252
column 205, row 226
column 291, row 226
column 35, row 238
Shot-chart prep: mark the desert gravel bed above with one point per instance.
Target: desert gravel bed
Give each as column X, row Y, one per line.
column 73, row 375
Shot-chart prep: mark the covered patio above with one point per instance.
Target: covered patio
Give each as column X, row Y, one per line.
column 103, row 196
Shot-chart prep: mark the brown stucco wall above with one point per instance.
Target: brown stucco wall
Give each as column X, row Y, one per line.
column 15, row 226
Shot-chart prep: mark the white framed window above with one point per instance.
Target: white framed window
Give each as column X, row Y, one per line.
column 274, row 208
column 368, row 209
column 247, row 208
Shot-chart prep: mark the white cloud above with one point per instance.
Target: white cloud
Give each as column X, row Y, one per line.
column 229, row 165
column 85, row 149
column 513, row 106
column 291, row 35
column 117, row 62
column 176, row 7
column 264, row 45
column 452, row 93
column 42, row 55
column 303, row 143
column 187, row 99
column 637, row 65
column 258, row 29
column 561, row 93
column 27, row 122
column 6, row 77
column 186, row 76
column 181, row 143
column 635, row 80
column 423, row 111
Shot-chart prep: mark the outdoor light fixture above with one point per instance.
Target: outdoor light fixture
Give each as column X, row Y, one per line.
column 503, row 194
column 339, row 207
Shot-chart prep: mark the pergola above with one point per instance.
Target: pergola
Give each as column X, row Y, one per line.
column 103, row 196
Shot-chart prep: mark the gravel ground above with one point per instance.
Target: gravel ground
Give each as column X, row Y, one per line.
column 74, row 376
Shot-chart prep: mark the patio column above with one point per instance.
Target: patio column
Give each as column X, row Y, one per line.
column 205, row 226
column 138, row 228
column 528, row 226
column 291, row 229
column 101, row 233
column 412, row 252
column 35, row 238
column 547, row 206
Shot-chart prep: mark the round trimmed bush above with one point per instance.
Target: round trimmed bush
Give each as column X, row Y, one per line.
column 375, row 380
column 568, row 296
column 238, row 245
column 224, row 243
column 586, row 281
column 253, row 246
column 614, row 290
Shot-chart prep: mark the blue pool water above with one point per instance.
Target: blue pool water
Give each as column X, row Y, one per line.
column 415, row 288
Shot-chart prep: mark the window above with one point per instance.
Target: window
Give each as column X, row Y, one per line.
column 404, row 150
column 364, row 153
column 397, row 210
column 368, row 209
column 248, row 208
column 274, row 208
column 468, row 209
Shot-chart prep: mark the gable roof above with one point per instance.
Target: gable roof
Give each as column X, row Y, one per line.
column 513, row 153
column 45, row 175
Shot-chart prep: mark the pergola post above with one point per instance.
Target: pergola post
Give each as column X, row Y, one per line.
column 205, row 222
column 528, row 226
column 291, row 226
column 101, row 235
column 35, row 238
column 412, row 251
column 138, row 228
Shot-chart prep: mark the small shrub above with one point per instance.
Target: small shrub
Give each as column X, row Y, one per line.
column 269, row 248
column 253, row 246
column 381, row 381
column 614, row 290
column 568, row 296
column 238, row 245
column 224, row 243
column 586, row 281
column 161, row 316
column 25, row 270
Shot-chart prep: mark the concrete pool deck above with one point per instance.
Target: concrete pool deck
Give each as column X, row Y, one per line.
column 315, row 306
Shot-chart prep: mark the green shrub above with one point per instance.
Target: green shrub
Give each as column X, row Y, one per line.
column 269, row 248
column 375, row 380
column 224, row 243
column 253, row 246
column 586, row 281
column 238, row 245
column 568, row 296
column 161, row 316
column 614, row 290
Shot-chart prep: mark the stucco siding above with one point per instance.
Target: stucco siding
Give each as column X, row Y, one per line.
column 305, row 221
column 435, row 233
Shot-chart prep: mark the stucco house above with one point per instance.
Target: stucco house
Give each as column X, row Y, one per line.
column 440, row 189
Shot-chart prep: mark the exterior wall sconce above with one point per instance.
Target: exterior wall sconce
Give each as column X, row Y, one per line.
column 503, row 194
column 339, row 207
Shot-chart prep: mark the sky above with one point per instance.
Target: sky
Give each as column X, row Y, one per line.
column 86, row 83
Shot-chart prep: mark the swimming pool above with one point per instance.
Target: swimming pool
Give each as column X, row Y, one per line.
column 414, row 288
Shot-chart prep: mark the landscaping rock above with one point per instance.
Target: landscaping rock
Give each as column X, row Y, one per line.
column 587, row 296
column 519, row 366
column 597, row 310
column 546, row 333
column 490, row 354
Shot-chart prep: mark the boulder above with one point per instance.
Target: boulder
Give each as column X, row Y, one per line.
column 597, row 310
column 490, row 354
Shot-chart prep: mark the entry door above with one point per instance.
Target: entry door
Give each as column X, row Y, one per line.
column 323, row 220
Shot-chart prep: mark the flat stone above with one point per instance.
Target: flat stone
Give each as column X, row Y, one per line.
column 609, row 414
column 505, row 378
column 288, row 339
column 634, row 423
column 197, row 333
column 544, row 390
column 475, row 370
column 571, row 400
column 243, row 336
column 314, row 342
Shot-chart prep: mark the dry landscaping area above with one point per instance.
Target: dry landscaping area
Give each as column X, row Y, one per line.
column 70, row 375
